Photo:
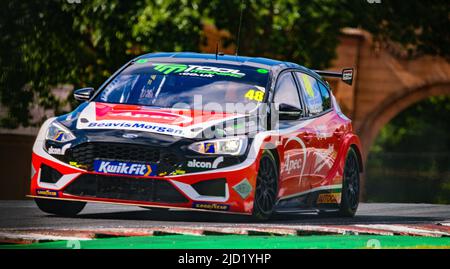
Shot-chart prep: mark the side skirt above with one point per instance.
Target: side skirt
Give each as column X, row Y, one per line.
column 317, row 199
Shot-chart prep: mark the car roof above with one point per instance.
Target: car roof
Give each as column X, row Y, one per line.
column 258, row 62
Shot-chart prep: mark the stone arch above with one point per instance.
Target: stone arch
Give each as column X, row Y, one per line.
column 392, row 106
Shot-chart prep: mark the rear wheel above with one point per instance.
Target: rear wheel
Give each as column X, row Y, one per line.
column 266, row 187
column 351, row 186
column 59, row 207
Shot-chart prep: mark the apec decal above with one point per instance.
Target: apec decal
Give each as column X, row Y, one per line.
column 196, row 164
column 293, row 163
column 294, row 158
column 125, row 168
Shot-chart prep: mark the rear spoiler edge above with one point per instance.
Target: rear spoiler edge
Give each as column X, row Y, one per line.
column 346, row 75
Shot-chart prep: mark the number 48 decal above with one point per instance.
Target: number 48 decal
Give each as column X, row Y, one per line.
column 255, row 95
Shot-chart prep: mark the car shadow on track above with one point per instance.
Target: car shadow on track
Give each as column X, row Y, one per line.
column 285, row 219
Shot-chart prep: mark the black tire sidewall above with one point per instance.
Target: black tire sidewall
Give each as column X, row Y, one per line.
column 256, row 213
column 345, row 209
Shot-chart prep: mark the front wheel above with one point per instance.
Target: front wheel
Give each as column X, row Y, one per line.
column 59, row 207
column 266, row 187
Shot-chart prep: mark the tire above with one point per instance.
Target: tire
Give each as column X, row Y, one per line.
column 350, row 186
column 266, row 187
column 59, row 207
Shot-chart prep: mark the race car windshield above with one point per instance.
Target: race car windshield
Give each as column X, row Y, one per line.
column 169, row 85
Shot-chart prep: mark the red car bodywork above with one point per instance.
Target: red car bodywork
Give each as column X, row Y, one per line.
column 311, row 158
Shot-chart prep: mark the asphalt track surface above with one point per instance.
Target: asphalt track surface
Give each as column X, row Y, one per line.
column 26, row 215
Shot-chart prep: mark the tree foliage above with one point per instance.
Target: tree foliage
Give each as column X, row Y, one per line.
column 295, row 30
column 46, row 43
column 421, row 27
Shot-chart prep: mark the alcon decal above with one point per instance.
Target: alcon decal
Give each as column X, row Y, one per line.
column 58, row 151
column 205, row 165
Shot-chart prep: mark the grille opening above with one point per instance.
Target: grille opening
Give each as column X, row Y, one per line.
column 125, row 188
column 213, row 187
column 85, row 155
column 49, row 175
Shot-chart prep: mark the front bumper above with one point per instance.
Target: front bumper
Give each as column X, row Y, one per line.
column 229, row 189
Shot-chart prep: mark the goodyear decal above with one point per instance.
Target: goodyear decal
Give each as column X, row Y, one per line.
column 329, row 198
column 125, row 168
column 45, row 192
column 211, row 206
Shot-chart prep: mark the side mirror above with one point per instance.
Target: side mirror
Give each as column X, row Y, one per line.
column 83, row 94
column 288, row 112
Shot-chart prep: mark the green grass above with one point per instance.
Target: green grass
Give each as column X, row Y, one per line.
column 246, row 242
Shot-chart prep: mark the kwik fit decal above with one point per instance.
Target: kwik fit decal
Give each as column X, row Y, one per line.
column 125, row 168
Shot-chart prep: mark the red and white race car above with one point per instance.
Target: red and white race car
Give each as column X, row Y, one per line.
column 205, row 132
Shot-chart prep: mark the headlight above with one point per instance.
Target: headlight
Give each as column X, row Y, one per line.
column 229, row 146
column 59, row 133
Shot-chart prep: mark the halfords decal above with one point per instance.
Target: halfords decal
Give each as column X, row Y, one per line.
column 211, row 206
column 44, row 192
column 134, row 126
column 125, row 168
column 329, row 198
column 196, row 164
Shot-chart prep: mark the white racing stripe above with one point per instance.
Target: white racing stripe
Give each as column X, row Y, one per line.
column 89, row 114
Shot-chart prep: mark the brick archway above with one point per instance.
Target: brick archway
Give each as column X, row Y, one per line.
column 386, row 82
column 392, row 106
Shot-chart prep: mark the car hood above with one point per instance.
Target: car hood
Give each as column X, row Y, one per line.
column 176, row 122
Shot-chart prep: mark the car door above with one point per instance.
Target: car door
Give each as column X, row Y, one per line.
column 323, row 129
column 294, row 141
